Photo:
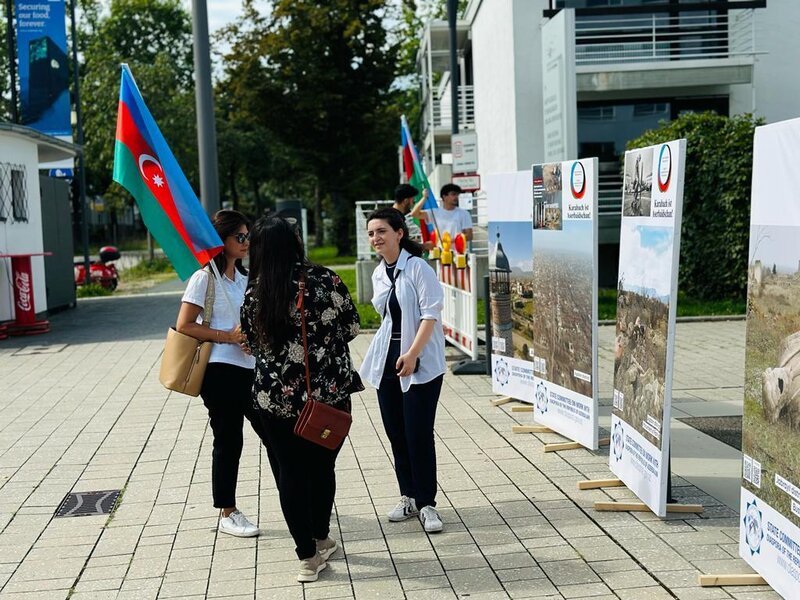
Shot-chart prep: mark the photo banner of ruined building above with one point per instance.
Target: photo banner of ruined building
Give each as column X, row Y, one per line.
column 647, row 291
column 511, row 283
column 565, row 298
column 769, row 523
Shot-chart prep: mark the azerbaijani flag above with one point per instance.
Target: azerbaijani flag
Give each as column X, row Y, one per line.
column 145, row 166
column 416, row 175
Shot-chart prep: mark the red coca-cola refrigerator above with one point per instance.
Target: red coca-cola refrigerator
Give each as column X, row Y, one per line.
column 25, row 322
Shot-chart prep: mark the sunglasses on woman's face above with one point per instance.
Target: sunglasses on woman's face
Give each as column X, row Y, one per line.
column 241, row 237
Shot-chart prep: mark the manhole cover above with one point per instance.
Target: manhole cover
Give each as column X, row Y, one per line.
column 50, row 349
column 83, row 504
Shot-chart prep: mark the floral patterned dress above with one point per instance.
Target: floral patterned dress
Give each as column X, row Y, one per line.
column 331, row 322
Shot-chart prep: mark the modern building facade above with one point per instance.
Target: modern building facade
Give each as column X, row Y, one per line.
column 636, row 63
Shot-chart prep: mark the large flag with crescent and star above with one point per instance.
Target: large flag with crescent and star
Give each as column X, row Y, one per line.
column 416, row 175
column 145, row 166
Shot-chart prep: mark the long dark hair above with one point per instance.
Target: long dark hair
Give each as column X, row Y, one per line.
column 228, row 222
column 395, row 219
column 276, row 254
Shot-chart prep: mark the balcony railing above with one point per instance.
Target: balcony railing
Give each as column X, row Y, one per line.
column 664, row 38
column 439, row 114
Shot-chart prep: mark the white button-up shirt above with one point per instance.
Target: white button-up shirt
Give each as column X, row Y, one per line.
column 420, row 297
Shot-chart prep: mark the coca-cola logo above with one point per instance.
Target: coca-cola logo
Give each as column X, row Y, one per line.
column 22, row 281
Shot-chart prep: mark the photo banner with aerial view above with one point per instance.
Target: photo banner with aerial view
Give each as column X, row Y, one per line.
column 647, row 293
column 565, row 298
column 769, row 523
column 511, row 283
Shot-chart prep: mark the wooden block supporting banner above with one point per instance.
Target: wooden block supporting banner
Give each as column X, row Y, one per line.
column 572, row 445
column 530, row 429
column 720, row 580
column 503, row 400
column 596, row 484
column 642, row 507
column 524, row 408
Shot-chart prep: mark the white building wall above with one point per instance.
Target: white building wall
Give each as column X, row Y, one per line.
column 494, row 76
column 777, row 85
column 528, row 72
column 21, row 237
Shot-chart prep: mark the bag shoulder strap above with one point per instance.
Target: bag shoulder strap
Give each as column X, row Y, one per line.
column 208, row 305
column 300, row 296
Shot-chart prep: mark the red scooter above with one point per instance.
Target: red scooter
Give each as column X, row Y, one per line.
column 102, row 271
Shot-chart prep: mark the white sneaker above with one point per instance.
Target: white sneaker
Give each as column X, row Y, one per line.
column 327, row 547
column 405, row 509
column 310, row 568
column 237, row 524
column 431, row 521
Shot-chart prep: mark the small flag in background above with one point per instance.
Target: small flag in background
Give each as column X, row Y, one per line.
column 416, row 175
column 145, row 166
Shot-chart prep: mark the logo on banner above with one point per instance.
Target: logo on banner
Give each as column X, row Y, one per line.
column 618, row 440
column 753, row 529
column 664, row 168
column 541, row 398
column 501, row 371
column 577, row 180
column 22, row 281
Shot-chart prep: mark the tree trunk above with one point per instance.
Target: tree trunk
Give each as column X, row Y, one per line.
column 342, row 220
column 319, row 240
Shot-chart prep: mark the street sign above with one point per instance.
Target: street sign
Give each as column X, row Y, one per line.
column 468, row 183
column 465, row 152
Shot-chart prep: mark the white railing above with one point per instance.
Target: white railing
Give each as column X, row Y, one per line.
column 441, row 109
column 664, row 38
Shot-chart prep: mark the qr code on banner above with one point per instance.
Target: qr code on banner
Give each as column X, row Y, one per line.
column 747, row 468
column 619, row 400
column 756, row 476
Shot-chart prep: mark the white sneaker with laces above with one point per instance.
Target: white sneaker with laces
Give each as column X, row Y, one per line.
column 431, row 521
column 405, row 509
column 310, row 568
column 237, row 524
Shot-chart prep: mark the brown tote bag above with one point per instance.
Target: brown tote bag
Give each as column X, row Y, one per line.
column 318, row 422
column 183, row 364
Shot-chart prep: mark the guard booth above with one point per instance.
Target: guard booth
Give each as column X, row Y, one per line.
column 32, row 227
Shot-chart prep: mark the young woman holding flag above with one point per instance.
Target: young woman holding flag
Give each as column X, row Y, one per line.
column 228, row 381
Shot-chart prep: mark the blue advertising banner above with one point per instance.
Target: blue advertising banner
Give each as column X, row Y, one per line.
column 43, row 65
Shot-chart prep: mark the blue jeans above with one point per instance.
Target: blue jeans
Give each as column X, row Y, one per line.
column 408, row 420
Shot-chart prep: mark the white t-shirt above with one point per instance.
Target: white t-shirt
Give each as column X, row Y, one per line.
column 455, row 221
column 222, row 317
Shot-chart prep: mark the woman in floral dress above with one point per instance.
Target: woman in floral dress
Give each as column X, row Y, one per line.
column 271, row 323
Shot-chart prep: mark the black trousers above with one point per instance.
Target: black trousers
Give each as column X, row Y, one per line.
column 408, row 419
column 227, row 394
column 306, row 483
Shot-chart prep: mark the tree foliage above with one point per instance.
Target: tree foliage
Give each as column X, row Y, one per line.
column 154, row 38
column 716, row 200
column 317, row 74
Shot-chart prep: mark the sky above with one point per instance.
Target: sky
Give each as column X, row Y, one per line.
column 645, row 256
column 516, row 239
column 220, row 12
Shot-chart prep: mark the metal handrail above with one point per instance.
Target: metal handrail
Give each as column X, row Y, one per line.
column 658, row 38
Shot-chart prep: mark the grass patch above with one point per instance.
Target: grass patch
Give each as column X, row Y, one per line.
column 147, row 268
column 92, row 290
column 328, row 255
column 687, row 306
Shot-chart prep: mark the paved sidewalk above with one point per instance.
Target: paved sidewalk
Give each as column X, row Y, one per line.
column 81, row 409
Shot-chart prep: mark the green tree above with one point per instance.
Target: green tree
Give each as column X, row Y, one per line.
column 154, row 38
column 716, row 200
column 318, row 75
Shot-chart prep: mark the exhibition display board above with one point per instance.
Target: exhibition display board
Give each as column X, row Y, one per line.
column 769, row 538
column 645, row 331
column 565, row 298
column 511, row 283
